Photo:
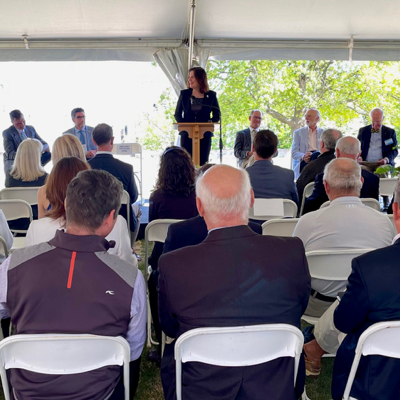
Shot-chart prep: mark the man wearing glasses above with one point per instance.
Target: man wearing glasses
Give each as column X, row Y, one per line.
column 244, row 138
column 82, row 132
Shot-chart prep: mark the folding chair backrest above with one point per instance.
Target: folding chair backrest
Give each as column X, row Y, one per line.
column 307, row 192
column 125, row 199
column 369, row 202
column 279, row 227
column 332, row 265
column 16, row 209
column 390, row 216
column 63, row 355
column 289, row 209
column 382, row 338
column 29, row 194
column 387, row 185
column 237, row 346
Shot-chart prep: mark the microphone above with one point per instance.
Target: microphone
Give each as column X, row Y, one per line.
column 193, row 100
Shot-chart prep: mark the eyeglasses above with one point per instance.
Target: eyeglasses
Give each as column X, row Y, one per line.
column 255, row 117
column 80, row 116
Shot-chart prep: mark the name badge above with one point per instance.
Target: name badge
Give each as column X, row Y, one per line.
column 388, row 141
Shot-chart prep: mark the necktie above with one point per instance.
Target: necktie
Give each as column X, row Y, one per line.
column 23, row 135
column 83, row 141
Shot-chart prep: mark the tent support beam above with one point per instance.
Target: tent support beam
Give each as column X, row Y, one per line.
column 192, row 20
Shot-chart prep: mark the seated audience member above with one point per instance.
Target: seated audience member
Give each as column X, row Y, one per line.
column 267, row 180
column 15, row 135
column 64, row 146
column 27, row 170
column 44, row 229
column 40, row 296
column 103, row 138
column 348, row 147
column 327, row 146
column 173, row 198
column 372, row 296
column 193, row 230
column 227, row 281
column 345, row 224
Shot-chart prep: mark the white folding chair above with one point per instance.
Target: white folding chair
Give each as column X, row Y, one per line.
column 289, row 209
column 382, row 339
column 387, row 185
column 332, row 265
column 29, row 194
column 307, row 192
column 132, row 149
column 369, row 202
column 59, row 354
column 13, row 210
column 3, row 247
column 156, row 231
column 279, row 227
column 237, row 346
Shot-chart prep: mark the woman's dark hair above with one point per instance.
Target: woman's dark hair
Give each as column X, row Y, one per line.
column 177, row 173
column 57, row 182
column 201, row 78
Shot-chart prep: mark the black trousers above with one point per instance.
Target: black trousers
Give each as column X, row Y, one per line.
column 205, row 145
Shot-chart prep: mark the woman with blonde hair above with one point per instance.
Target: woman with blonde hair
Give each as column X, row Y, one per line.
column 27, row 169
column 67, row 146
column 45, row 228
column 64, row 146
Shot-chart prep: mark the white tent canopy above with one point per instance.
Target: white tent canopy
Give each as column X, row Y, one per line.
column 60, row 30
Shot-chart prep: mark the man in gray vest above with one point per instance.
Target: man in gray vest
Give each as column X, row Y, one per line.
column 72, row 285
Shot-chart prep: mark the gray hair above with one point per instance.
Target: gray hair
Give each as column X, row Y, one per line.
column 348, row 145
column 75, row 111
column 219, row 207
column 253, row 111
column 343, row 175
column 397, row 193
column 330, row 138
column 317, row 111
column 377, row 109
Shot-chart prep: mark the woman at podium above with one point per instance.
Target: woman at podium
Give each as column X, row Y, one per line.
column 197, row 104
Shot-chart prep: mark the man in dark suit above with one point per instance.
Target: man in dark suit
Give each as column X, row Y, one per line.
column 327, row 146
column 244, row 138
column 267, row 180
column 15, row 134
column 104, row 140
column 372, row 296
column 227, row 281
column 378, row 142
column 348, row 147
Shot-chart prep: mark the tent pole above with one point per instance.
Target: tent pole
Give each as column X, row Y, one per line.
column 191, row 32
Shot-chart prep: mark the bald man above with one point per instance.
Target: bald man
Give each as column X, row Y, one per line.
column 347, row 147
column 227, row 280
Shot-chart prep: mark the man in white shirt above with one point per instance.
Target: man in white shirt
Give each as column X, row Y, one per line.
column 306, row 140
column 244, row 139
column 345, row 224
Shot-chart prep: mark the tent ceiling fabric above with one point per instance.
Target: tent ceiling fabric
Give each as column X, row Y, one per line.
column 261, row 29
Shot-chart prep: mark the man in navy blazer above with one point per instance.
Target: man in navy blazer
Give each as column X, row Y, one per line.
column 372, row 296
column 244, row 139
column 227, row 281
column 378, row 142
column 15, row 134
column 348, row 147
column 104, row 140
column 267, row 180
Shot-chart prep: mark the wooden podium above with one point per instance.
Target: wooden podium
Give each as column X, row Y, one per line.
column 196, row 132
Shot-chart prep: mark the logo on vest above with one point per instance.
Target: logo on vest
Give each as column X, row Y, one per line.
column 111, row 292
